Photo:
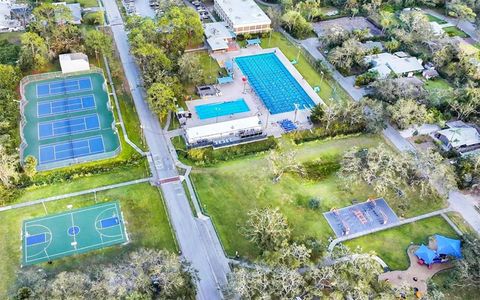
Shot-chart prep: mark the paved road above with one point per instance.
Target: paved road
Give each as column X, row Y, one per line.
column 197, row 242
column 465, row 205
column 466, row 26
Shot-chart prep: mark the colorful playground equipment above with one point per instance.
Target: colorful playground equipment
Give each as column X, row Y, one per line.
column 446, row 248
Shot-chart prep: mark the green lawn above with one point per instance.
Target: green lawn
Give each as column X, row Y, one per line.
column 210, row 69
column 391, row 245
column 229, row 190
column 432, row 18
column 145, row 217
column 119, row 175
column 454, row 31
column 437, row 84
column 12, row 37
column 84, row 3
column 328, row 87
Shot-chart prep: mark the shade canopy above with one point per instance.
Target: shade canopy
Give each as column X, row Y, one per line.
column 426, row 254
column 447, row 246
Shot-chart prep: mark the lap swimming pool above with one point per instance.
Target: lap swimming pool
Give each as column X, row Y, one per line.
column 273, row 83
column 213, row 110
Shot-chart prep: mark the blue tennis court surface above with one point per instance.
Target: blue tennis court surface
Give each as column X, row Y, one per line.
column 360, row 217
column 64, row 87
column 208, row 111
column 71, row 149
column 63, row 106
column 68, row 126
column 273, row 83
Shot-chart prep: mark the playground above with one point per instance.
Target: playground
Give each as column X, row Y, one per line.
column 72, row 232
column 425, row 262
column 66, row 119
column 360, row 217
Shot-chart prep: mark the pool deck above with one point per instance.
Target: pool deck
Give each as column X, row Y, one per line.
column 236, row 90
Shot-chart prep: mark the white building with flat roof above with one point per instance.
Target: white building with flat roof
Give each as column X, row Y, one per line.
column 74, row 62
column 243, row 16
column 227, row 132
column 399, row 65
column 218, row 36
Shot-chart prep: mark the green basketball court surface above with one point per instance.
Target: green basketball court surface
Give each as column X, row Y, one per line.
column 72, row 232
column 67, row 119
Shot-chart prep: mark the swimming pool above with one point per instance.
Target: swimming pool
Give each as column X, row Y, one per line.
column 213, row 110
column 273, row 83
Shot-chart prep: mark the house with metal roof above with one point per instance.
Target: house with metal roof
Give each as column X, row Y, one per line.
column 404, row 65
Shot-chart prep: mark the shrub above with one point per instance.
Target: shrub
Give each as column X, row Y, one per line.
column 317, row 133
column 94, row 18
column 319, row 169
column 366, row 78
column 209, row 156
column 313, row 204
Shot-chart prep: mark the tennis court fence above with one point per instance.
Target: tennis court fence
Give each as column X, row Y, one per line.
column 23, row 103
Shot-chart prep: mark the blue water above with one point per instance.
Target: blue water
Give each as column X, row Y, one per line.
column 208, row 111
column 273, row 83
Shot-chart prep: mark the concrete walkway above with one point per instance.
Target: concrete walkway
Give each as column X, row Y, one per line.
column 393, row 225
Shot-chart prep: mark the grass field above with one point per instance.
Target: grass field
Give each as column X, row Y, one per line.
column 229, row 190
column 432, row 18
column 12, row 37
column 84, row 3
column 391, row 245
column 328, row 87
column 210, row 73
column 454, row 31
column 437, row 84
column 145, row 217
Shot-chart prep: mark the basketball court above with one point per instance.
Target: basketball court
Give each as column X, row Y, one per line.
column 72, row 232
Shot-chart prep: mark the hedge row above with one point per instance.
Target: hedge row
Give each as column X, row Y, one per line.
column 320, row 169
column 317, row 133
column 209, row 156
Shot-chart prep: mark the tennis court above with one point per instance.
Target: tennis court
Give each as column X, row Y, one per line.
column 360, row 217
column 72, row 232
column 63, row 106
column 273, row 83
column 66, row 86
column 68, row 126
column 61, row 130
column 71, row 149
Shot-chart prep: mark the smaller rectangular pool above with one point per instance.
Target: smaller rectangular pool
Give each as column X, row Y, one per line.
column 219, row 109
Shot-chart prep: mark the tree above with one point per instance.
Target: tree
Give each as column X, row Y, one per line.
column 267, row 228
column 461, row 11
column 310, row 9
column 8, row 167
column 98, row 43
column 9, row 53
column 350, row 55
column 467, row 271
column 33, row 52
column 407, row 112
column 295, row 23
column 30, row 166
column 47, row 17
column 190, row 68
column 9, row 77
column 275, row 16
column 466, row 102
column 153, row 62
column 65, row 39
column 70, row 285
column 161, row 99
column 335, row 36
column 440, row 173
column 391, row 90
column 282, row 160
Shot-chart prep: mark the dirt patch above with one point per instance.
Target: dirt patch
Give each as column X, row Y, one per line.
column 421, row 273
